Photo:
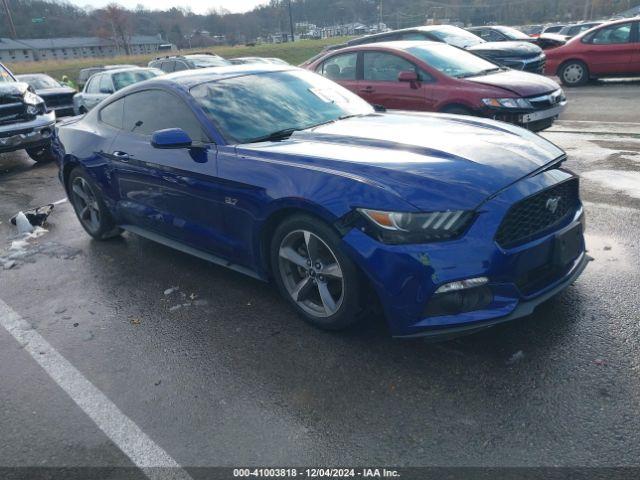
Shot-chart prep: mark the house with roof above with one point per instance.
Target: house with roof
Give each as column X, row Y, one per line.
column 35, row 49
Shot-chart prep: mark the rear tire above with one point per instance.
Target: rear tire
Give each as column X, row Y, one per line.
column 574, row 73
column 41, row 154
column 314, row 274
column 90, row 209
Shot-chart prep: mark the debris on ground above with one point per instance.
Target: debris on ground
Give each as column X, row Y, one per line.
column 36, row 217
column 599, row 361
column 135, row 321
column 9, row 264
column 515, row 358
column 60, row 310
column 169, row 291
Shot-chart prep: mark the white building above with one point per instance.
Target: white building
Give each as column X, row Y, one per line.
column 34, row 49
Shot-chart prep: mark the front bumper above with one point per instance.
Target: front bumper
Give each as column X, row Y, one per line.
column 406, row 277
column 534, row 120
column 34, row 133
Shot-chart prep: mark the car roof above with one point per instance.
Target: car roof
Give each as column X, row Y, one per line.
column 423, row 28
column 190, row 78
column 112, row 71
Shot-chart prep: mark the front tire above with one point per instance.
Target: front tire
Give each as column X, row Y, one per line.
column 574, row 73
column 314, row 274
column 40, row 154
column 90, row 209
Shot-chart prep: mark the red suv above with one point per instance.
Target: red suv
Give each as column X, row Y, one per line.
column 610, row 50
column 436, row 77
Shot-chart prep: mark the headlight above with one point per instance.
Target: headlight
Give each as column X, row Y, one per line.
column 31, row 98
column 507, row 102
column 402, row 227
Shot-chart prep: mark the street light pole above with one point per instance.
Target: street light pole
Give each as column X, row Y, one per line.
column 291, row 23
column 12, row 27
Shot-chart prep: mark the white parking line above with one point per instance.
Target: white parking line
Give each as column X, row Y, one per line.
column 123, row 432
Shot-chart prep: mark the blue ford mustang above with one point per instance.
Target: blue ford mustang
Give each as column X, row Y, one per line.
column 448, row 224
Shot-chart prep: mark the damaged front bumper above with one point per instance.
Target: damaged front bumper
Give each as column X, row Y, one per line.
column 34, row 133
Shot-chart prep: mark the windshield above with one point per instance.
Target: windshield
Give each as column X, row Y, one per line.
column 456, row 36
column 124, row 79
column 204, row 61
column 39, row 82
column 254, row 106
column 452, row 61
column 513, row 33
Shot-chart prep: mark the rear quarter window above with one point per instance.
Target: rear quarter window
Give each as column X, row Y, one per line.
column 112, row 114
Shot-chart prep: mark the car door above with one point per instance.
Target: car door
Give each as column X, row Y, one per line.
column 635, row 54
column 380, row 84
column 610, row 50
column 91, row 92
column 172, row 192
column 343, row 69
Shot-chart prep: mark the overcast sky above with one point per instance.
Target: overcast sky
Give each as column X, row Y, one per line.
column 197, row 6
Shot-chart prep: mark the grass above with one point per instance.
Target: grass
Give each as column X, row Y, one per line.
column 294, row 53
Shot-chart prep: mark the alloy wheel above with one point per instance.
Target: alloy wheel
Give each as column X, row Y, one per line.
column 311, row 273
column 86, row 204
column 573, row 73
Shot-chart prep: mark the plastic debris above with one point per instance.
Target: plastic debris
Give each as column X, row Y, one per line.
column 516, row 357
column 8, row 265
column 169, row 291
column 36, row 217
column 22, row 222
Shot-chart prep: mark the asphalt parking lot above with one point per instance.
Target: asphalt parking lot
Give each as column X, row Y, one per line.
column 126, row 353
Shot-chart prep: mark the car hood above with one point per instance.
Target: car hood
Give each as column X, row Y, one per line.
column 51, row 92
column 506, row 49
column 13, row 89
column 518, row 82
column 432, row 161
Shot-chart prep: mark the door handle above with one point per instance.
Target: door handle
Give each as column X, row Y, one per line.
column 122, row 156
column 367, row 90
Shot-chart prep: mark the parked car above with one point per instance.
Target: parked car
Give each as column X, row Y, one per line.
column 449, row 223
column 436, row 77
column 246, row 60
column 570, row 31
column 552, row 29
column 498, row 33
column 86, row 73
column 533, row 31
column 57, row 96
column 103, row 84
column 516, row 55
column 177, row 63
column 25, row 121
column 609, row 50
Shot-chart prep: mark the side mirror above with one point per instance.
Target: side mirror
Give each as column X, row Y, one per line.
column 170, row 138
column 107, row 91
column 408, row 76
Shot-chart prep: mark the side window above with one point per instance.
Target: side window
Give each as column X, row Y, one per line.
column 490, row 35
column 93, row 85
column 151, row 110
column 385, row 67
column 340, row 67
column 179, row 66
column 105, row 84
column 112, row 114
column 413, row 36
column 620, row 33
column 167, row 66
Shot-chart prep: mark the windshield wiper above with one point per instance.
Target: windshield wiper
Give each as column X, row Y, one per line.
column 481, row 72
column 275, row 136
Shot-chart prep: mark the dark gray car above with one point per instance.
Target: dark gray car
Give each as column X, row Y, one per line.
column 518, row 55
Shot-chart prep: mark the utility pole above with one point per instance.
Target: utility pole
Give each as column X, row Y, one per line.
column 293, row 38
column 12, row 27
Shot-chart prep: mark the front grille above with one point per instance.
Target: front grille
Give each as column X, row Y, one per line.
column 14, row 112
column 533, row 216
column 58, row 100
column 536, row 67
column 548, row 100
